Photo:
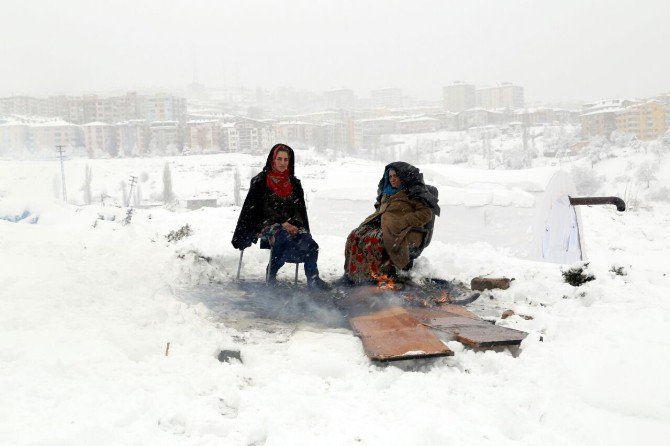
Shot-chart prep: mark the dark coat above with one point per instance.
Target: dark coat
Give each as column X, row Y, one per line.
column 397, row 214
column 412, row 182
column 262, row 208
column 413, row 206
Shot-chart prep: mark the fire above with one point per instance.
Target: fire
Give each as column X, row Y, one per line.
column 385, row 282
column 443, row 299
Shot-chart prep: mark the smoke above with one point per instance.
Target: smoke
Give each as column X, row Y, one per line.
column 254, row 305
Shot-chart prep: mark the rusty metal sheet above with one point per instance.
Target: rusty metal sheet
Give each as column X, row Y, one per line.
column 392, row 334
column 466, row 330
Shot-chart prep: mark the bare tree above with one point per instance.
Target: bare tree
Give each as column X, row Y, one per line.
column 646, row 172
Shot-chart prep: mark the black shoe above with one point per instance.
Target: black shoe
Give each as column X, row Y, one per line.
column 271, row 276
column 316, row 283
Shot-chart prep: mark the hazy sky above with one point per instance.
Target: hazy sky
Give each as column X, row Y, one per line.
column 559, row 50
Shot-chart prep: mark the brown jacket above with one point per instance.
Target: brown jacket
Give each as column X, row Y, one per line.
column 398, row 215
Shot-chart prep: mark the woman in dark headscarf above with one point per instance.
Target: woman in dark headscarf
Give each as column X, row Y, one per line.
column 274, row 211
column 381, row 244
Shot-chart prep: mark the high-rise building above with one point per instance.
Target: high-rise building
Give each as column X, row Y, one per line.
column 458, row 96
column 505, row 95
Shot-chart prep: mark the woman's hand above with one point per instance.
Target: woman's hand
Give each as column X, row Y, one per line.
column 292, row 230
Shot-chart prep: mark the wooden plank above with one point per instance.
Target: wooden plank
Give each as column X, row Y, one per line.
column 489, row 336
column 467, row 330
column 392, row 334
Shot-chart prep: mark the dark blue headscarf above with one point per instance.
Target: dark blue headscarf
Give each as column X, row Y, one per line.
column 388, row 189
column 411, row 181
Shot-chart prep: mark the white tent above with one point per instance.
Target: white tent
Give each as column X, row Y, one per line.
column 526, row 211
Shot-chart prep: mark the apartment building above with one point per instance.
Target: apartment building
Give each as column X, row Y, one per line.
column 645, row 120
column 13, row 136
column 164, row 108
column 419, row 124
column 204, row 135
column 23, row 105
column 458, row 96
column 254, row 136
column 92, row 108
column 330, row 135
column 477, row 117
column 229, row 138
column 599, row 118
column 505, row 95
column 100, row 139
column 448, row 120
column 133, row 137
column 294, row 131
column 48, row 135
column 166, row 138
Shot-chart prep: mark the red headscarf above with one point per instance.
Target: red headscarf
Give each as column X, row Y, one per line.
column 277, row 181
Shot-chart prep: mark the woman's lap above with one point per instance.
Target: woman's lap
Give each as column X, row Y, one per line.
column 364, row 254
column 290, row 248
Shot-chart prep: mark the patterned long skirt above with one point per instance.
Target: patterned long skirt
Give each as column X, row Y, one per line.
column 364, row 255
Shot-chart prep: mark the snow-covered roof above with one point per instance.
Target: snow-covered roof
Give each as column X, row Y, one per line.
column 381, row 119
column 604, row 111
column 164, row 123
column 420, row 119
column 14, row 124
column 54, row 123
column 292, row 123
column 96, row 123
column 203, row 121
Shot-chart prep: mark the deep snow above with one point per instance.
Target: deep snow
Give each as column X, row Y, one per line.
column 87, row 306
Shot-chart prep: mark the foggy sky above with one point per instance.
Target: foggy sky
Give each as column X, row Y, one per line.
column 559, row 50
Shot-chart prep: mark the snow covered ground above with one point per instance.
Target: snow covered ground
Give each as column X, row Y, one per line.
column 88, row 305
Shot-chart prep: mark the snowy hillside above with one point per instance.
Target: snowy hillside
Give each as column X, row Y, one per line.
column 88, row 305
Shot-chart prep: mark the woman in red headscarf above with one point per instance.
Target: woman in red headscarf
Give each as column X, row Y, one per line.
column 274, row 211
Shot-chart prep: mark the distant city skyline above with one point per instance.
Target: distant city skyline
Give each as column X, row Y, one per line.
column 560, row 52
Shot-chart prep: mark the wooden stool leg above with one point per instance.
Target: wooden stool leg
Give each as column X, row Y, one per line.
column 296, row 274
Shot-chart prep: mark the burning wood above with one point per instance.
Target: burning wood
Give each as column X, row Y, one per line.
column 444, row 298
column 384, row 281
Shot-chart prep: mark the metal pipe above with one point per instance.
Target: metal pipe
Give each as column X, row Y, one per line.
column 589, row 201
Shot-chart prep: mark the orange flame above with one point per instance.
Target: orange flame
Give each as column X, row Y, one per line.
column 443, row 299
column 384, row 282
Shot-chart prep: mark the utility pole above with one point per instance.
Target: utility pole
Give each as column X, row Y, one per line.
column 62, row 172
column 133, row 181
